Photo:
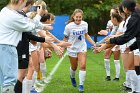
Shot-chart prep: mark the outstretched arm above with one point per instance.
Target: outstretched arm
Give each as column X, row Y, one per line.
column 90, row 40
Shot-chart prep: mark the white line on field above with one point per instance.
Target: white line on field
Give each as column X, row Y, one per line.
column 55, row 68
column 41, row 87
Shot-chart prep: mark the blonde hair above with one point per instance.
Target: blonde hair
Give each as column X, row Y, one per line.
column 42, row 3
column 75, row 12
column 14, row 1
column 32, row 15
column 52, row 16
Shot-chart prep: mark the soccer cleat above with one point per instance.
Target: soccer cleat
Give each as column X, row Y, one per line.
column 108, row 78
column 73, row 81
column 45, row 80
column 127, row 89
column 134, row 92
column 81, row 88
column 124, row 84
column 116, row 79
column 33, row 91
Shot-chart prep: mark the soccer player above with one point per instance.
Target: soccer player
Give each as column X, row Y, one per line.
column 133, row 30
column 76, row 31
column 111, row 30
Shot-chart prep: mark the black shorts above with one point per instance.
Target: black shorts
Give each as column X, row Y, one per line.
column 23, row 63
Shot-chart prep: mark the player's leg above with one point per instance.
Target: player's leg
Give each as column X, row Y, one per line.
column 107, row 55
column 117, row 64
column 27, row 82
column 73, row 61
column 131, row 71
column 82, row 72
column 127, row 83
column 137, row 69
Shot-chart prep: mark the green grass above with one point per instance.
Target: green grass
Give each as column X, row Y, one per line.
column 95, row 78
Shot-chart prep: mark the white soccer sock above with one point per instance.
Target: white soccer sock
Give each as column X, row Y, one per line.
column 72, row 73
column 43, row 69
column 117, row 66
column 82, row 76
column 138, row 84
column 34, row 77
column 127, row 82
column 107, row 66
column 134, row 79
column 26, row 86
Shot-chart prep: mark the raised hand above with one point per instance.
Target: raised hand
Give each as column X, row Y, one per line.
column 49, row 39
column 64, row 44
column 103, row 32
column 47, row 27
column 48, row 53
column 58, row 50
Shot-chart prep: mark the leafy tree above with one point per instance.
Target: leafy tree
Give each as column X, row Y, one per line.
column 96, row 12
column 3, row 3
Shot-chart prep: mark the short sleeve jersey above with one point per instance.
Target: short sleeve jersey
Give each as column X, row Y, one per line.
column 76, row 36
column 121, row 27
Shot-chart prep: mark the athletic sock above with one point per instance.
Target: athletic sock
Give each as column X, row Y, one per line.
column 34, row 78
column 128, row 81
column 138, row 84
column 134, row 79
column 137, row 69
column 18, row 87
column 72, row 73
column 82, row 76
column 43, row 69
column 107, row 66
column 27, row 85
column 117, row 66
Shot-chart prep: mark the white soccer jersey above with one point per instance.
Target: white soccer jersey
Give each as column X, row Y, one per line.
column 109, row 25
column 121, row 27
column 76, row 36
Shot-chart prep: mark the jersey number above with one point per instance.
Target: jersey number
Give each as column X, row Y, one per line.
column 80, row 38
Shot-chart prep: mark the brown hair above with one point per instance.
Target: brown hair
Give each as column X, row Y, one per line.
column 75, row 11
column 117, row 16
column 30, row 2
column 47, row 16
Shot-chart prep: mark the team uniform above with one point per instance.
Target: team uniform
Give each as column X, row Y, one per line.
column 123, row 29
column 76, row 36
column 132, row 31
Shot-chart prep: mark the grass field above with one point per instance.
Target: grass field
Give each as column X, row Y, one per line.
column 95, row 78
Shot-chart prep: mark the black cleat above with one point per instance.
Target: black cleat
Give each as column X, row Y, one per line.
column 116, row 79
column 108, row 78
column 134, row 92
column 127, row 89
